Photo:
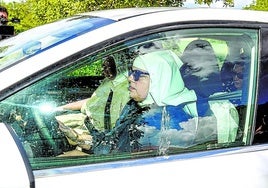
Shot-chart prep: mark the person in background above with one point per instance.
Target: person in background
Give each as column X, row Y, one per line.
column 232, row 74
column 3, row 15
column 238, row 72
column 5, row 30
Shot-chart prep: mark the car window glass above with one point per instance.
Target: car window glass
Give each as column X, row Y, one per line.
column 47, row 36
column 207, row 105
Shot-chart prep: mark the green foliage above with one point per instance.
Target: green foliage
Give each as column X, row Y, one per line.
column 229, row 3
column 259, row 5
column 93, row 69
column 21, row 11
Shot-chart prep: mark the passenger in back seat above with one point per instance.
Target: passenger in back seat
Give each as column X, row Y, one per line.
column 232, row 74
column 234, row 79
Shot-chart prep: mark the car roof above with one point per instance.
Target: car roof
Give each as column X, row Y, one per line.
column 188, row 14
column 125, row 13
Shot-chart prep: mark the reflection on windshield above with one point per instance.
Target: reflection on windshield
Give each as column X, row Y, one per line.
column 43, row 37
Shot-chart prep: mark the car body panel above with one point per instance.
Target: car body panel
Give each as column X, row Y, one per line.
column 13, row 163
column 241, row 167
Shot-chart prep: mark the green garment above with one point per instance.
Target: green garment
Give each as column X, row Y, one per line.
column 227, row 119
column 94, row 107
column 73, row 124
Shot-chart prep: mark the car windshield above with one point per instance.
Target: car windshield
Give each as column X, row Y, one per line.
column 41, row 38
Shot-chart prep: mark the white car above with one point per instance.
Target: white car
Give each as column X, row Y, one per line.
column 224, row 55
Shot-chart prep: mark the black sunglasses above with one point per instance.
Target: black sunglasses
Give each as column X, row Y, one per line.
column 137, row 74
column 239, row 75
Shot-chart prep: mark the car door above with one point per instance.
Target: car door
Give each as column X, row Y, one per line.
column 209, row 58
column 14, row 162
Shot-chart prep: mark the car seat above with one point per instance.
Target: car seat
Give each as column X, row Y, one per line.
column 201, row 73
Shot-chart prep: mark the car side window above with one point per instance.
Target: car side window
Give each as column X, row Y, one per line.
column 198, row 99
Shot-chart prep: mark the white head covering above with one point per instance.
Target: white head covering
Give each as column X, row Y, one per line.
column 166, row 86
